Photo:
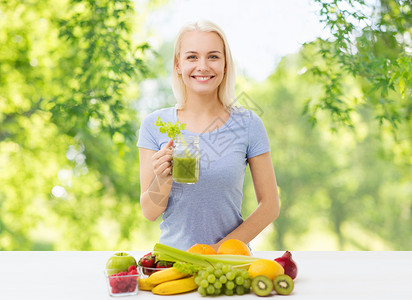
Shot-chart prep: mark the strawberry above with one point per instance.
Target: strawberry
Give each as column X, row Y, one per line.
column 162, row 264
column 147, row 262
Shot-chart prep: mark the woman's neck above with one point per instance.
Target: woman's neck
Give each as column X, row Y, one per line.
column 205, row 104
column 200, row 112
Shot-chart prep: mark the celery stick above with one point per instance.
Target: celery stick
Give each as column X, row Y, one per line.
column 164, row 252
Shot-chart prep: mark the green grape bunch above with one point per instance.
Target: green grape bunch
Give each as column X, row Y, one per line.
column 223, row 280
column 172, row 130
column 187, row 268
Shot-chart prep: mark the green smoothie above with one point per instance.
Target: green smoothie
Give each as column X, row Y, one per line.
column 185, row 169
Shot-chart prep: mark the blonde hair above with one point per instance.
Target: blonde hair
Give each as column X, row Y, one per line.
column 226, row 90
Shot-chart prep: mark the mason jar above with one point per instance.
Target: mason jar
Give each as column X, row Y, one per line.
column 186, row 157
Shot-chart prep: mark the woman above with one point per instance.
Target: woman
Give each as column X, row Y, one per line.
column 208, row 212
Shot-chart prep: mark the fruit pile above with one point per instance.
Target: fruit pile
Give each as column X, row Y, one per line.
column 231, row 270
column 124, row 282
column 201, row 268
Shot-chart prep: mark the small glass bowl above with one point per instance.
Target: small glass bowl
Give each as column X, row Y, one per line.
column 122, row 285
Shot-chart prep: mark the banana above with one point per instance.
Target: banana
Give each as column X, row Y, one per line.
column 144, row 285
column 165, row 275
column 175, row 286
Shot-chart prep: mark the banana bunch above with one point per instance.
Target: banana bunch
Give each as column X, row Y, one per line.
column 168, row 282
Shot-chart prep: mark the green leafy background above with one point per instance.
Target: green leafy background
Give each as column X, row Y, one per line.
column 338, row 115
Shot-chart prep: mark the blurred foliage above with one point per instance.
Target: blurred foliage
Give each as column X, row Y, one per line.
column 330, row 182
column 68, row 161
column 371, row 43
column 76, row 77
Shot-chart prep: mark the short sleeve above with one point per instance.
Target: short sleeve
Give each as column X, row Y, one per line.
column 257, row 136
column 147, row 135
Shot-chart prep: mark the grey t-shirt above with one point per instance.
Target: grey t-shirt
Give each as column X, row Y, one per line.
column 207, row 211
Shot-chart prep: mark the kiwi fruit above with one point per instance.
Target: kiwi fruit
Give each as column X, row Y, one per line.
column 283, row 284
column 262, row 285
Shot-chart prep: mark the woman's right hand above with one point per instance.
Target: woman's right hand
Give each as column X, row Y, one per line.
column 162, row 161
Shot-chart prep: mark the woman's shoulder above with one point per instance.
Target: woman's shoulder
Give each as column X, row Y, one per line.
column 241, row 114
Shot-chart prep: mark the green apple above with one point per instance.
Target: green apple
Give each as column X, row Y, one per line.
column 119, row 262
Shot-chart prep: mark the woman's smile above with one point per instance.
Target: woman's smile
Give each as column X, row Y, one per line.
column 203, row 78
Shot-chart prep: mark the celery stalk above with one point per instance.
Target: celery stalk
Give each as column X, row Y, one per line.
column 168, row 253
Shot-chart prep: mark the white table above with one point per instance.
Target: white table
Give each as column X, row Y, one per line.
column 321, row 275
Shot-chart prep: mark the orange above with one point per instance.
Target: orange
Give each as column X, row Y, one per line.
column 201, row 249
column 233, row 246
column 266, row 267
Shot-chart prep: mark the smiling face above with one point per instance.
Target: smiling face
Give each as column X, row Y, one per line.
column 201, row 62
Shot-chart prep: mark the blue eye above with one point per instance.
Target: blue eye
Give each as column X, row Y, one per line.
column 213, row 57
column 191, row 57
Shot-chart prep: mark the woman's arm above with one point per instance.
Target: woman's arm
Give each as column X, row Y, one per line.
column 267, row 211
column 155, row 180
